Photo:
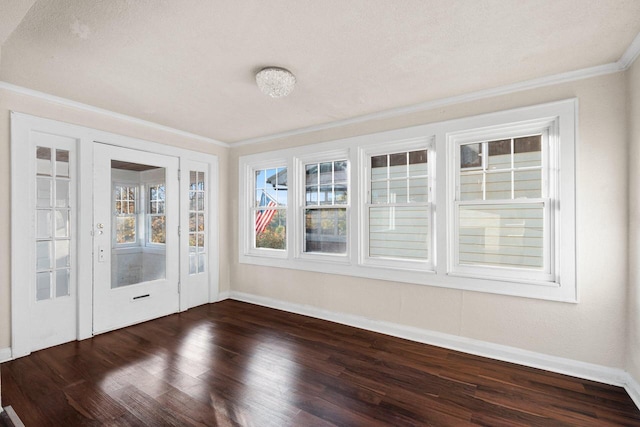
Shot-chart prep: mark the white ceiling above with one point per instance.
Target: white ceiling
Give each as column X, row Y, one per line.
column 190, row 64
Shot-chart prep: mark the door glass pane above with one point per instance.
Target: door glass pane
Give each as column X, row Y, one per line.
column 43, row 192
column 62, row 223
column 62, row 193
column 62, row 163
column 43, row 255
column 138, row 222
column 62, row 283
column 62, row 254
column 43, row 161
column 43, row 286
column 43, row 224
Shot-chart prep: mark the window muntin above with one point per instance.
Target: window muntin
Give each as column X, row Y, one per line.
column 502, row 211
column 197, row 223
column 269, row 208
column 326, row 198
column 125, row 203
column 398, row 209
column 53, row 210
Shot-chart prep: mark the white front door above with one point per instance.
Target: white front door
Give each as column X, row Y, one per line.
column 136, row 243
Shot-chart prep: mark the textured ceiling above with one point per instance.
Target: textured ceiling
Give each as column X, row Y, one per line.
column 190, row 64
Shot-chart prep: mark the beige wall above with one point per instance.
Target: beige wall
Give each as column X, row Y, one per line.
column 591, row 331
column 633, row 346
column 11, row 101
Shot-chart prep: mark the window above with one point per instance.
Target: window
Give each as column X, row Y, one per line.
column 197, row 221
column 503, row 221
column 485, row 203
column 398, row 207
column 156, row 214
column 53, row 239
column 125, row 197
column 269, row 208
column 325, row 211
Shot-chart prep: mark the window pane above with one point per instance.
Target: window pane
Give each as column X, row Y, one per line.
column 200, row 242
column 62, row 223
column 527, row 151
column 43, row 255
column 193, row 180
column 157, row 229
column 200, row 222
column 502, row 235
column 192, row 222
column 500, row 154
column 379, row 192
column 43, row 161
column 43, row 224
column 498, row 186
column 471, row 156
column 379, row 162
column 326, row 230
column 528, row 184
column 200, row 197
column 43, row 286
column 62, row 163
column 271, row 229
column 399, row 232
column 418, row 190
column 43, row 191
column 311, row 172
column 126, row 229
column 193, row 241
column 62, row 283
column 62, row 193
column 201, row 181
column 398, row 191
column 202, row 259
column 418, row 163
column 62, row 254
column 471, row 186
column 193, row 263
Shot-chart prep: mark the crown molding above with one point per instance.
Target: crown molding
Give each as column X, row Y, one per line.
column 86, row 107
column 625, row 61
column 631, row 54
column 555, row 79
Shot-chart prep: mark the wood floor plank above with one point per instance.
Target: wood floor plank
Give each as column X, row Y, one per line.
column 237, row 364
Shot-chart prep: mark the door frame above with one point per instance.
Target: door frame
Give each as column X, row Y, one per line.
column 21, row 126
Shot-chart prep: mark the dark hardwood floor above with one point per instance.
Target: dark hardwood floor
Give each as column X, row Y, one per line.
column 233, row 363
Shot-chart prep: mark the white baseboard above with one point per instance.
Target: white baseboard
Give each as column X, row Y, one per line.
column 5, row 354
column 223, row 296
column 633, row 388
column 589, row 371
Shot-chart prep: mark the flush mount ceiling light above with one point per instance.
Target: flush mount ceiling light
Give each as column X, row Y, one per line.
column 275, row 82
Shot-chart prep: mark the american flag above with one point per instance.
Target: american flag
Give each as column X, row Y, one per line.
column 264, row 216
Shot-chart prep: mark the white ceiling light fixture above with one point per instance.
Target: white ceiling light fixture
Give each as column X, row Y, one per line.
column 275, row 81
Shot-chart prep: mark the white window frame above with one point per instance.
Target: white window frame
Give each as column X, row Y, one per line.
column 148, row 216
column 558, row 283
column 425, row 143
column 247, row 209
column 136, row 215
column 300, row 205
column 548, row 128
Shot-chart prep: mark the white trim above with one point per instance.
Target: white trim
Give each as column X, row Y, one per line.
column 631, row 54
column 86, row 107
column 555, row 79
column 561, row 365
column 633, row 388
column 5, row 354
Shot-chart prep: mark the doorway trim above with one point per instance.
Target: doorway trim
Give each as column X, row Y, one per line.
column 21, row 127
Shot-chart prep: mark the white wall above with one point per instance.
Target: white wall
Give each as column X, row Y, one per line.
column 591, row 331
column 633, row 346
column 9, row 101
